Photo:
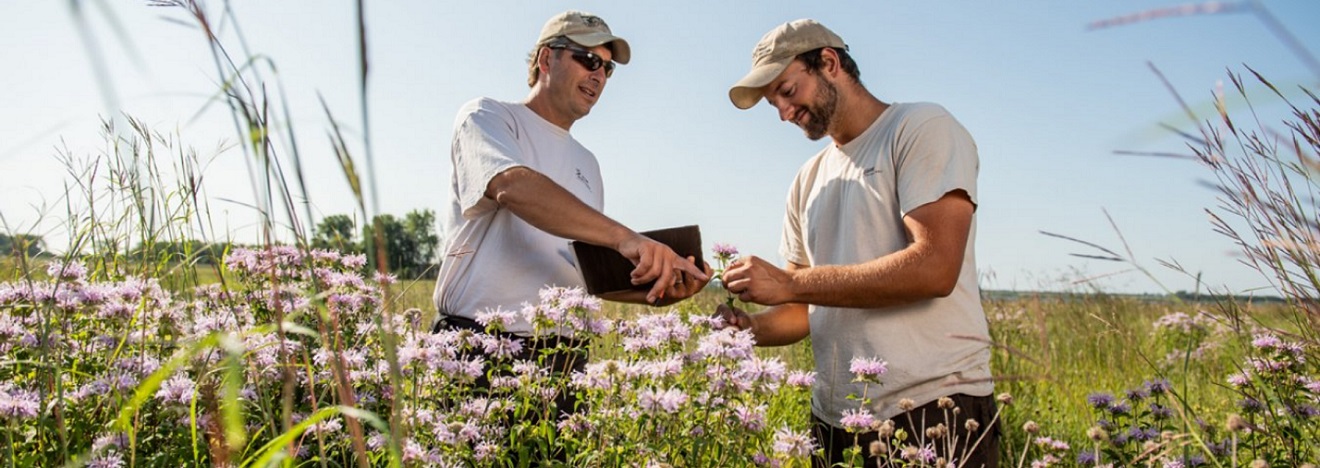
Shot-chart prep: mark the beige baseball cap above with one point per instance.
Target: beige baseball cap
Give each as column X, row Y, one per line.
column 776, row 50
column 585, row 29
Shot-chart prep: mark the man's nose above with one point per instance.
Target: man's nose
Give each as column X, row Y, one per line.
column 785, row 110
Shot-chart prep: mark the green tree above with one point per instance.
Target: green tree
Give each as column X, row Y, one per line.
column 419, row 226
column 21, row 244
column 337, row 232
column 409, row 244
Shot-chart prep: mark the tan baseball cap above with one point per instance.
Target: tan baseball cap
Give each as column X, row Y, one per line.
column 585, row 29
column 776, row 50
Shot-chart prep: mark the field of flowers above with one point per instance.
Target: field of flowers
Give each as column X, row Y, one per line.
column 297, row 356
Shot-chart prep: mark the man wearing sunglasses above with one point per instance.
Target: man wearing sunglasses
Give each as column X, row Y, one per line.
column 523, row 187
column 879, row 235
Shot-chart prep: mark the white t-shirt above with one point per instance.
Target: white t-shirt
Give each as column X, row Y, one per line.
column 493, row 259
column 846, row 206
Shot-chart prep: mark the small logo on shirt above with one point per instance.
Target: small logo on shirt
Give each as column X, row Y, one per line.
column 870, row 171
column 584, row 180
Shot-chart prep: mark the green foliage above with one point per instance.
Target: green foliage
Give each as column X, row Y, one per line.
column 30, row 245
column 337, row 232
column 410, row 244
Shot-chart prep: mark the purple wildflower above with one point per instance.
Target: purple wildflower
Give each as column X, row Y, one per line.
column 1267, row 342
column 1121, row 407
column 801, row 379
column 925, row 454
column 1240, row 379
column 857, row 420
column 17, row 403
column 1049, row 443
column 1158, row 386
column 724, row 250
column 178, row 389
column 668, row 401
column 72, row 271
column 1160, row 412
column 1251, row 405
column 108, row 460
column 793, row 444
column 1100, row 400
column 868, row 367
column 751, row 418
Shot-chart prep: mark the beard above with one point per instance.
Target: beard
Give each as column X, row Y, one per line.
column 820, row 114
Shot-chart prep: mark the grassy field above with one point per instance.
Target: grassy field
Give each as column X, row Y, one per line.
column 1054, row 350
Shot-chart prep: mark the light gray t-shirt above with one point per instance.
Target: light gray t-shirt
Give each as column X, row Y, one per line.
column 846, row 206
column 492, row 258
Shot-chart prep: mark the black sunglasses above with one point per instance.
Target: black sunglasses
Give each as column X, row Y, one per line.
column 588, row 59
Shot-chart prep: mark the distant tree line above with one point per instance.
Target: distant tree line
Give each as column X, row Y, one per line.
column 20, row 244
column 410, row 244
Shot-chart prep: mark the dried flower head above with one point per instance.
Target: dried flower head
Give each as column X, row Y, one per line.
column 945, row 403
column 877, row 448
column 884, row 428
column 937, row 432
column 1031, row 427
column 1236, row 423
column 972, row 425
column 1097, row 434
column 906, row 404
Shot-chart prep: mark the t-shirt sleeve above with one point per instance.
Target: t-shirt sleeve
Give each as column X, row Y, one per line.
column 485, row 144
column 792, row 244
column 934, row 155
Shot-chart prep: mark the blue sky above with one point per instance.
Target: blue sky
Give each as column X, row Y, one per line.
column 1047, row 100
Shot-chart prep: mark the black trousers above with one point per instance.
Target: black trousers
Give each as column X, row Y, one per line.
column 982, row 409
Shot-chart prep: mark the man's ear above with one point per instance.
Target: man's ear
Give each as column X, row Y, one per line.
column 829, row 62
column 543, row 59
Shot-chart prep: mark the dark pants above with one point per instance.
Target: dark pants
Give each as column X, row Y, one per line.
column 982, row 409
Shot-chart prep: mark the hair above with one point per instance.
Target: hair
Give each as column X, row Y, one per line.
column 533, row 68
column 814, row 62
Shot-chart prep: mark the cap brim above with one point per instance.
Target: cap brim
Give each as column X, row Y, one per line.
column 622, row 52
column 751, row 88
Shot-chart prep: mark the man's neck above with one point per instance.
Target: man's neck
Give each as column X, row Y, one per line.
column 858, row 112
column 540, row 103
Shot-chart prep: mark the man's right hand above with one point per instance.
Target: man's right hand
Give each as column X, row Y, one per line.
column 656, row 261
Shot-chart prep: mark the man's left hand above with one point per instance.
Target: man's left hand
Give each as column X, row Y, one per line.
column 755, row 280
